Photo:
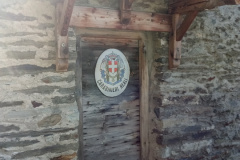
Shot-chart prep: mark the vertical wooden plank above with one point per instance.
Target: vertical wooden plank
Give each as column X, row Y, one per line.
column 174, row 45
column 144, row 106
column 78, row 95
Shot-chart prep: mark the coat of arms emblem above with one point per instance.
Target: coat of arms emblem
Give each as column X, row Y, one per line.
column 112, row 72
column 112, row 69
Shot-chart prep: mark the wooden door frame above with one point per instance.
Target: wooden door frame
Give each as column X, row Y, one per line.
column 143, row 77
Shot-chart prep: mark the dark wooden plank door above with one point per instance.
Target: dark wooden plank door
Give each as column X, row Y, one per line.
column 110, row 125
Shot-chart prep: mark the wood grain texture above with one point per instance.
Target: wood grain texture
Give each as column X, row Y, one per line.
column 86, row 17
column 185, row 6
column 62, row 43
column 125, row 11
column 113, row 42
column 174, row 45
column 66, row 14
column 78, row 96
column 144, row 101
column 110, row 125
column 185, row 25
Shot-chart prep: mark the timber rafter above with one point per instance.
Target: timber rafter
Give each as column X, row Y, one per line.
column 125, row 19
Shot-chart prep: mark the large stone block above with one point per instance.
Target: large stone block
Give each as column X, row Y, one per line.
column 50, row 121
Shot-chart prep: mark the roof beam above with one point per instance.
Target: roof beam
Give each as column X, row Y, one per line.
column 184, row 6
column 87, row 17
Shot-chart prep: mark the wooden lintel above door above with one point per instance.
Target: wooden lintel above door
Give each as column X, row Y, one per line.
column 87, row 17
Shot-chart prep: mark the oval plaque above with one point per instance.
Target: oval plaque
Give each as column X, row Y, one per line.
column 112, row 72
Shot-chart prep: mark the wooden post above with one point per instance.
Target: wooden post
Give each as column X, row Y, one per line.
column 125, row 11
column 144, row 102
column 63, row 16
column 78, row 95
column 174, row 45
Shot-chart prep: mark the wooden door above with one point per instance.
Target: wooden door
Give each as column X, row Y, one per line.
column 111, row 128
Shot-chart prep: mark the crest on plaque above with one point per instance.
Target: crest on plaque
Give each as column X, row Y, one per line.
column 112, row 72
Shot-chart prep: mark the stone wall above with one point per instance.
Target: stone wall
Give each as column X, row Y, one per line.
column 196, row 108
column 38, row 112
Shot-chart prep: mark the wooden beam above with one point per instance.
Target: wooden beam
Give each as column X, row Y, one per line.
column 174, row 45
column 63, row 16
column 67, row 9
column 184, row 6
column 185, row 25
column 144, row 102
column 125, row 11
column 62, row 43
column 79, row 100
column 86, row 17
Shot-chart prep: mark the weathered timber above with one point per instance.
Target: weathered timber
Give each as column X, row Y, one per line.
column 62, row 41
column 110, row 125
column 125, row 11
column 86, row 17
column 67, row 9
column 78, row 95
column 184, row 6
column 174, row 45
column 144, row 110
column 111, row 105
column 113, row 42
column 185, row 25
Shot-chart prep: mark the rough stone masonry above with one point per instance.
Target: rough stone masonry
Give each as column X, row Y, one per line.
column 38, row 112
column 194, row 110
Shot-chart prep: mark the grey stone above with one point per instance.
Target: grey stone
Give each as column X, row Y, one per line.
column 21, row 55
column 54, row 79
column 44, row 26
column 8, row 128
column 22, row 114
column 22, row 34
column 40, row 89
column 10, row 104
column 45, row 132
column 17, row 143
column 50, row 121
column 50, row 149
column 200, row 90
column 15, row 17
column 157, row 112
column 68, row 137
column 37, row 44
column 63, row 99
column 25, row 69
column 67, row 90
